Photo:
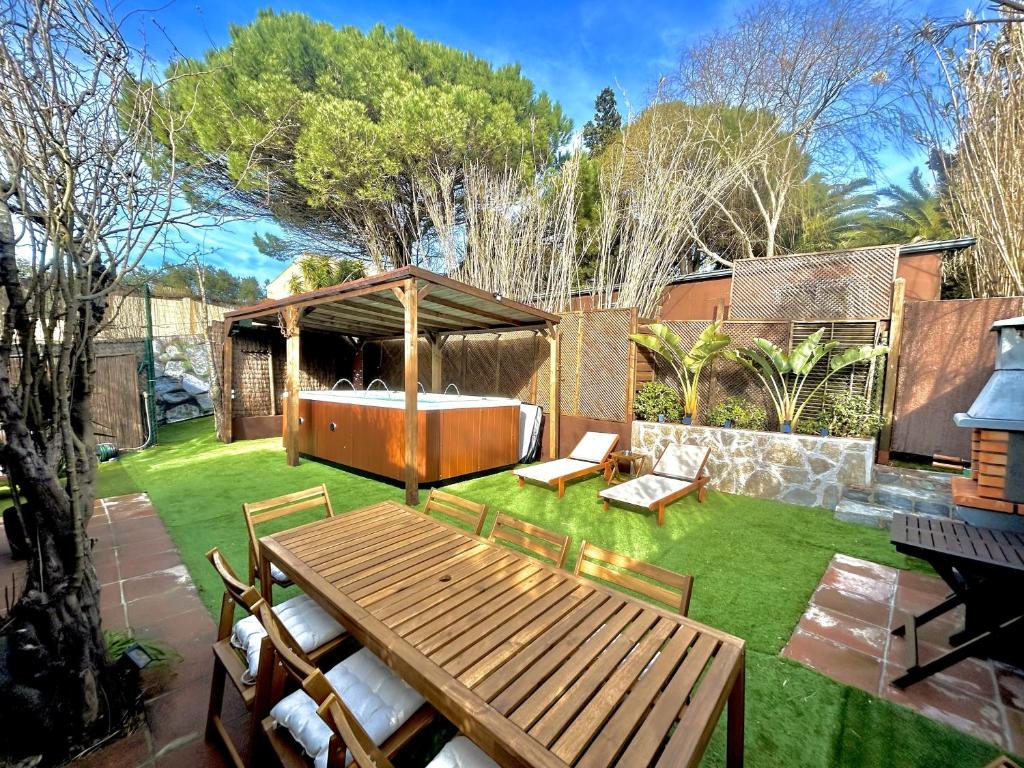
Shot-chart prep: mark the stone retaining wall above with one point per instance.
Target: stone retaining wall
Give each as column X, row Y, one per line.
column 800, row 469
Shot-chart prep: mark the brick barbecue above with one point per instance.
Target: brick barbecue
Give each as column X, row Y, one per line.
column 996, row 484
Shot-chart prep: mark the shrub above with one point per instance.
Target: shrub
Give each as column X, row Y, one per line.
column 743, row 413
column 844, row 414
column 656, row 398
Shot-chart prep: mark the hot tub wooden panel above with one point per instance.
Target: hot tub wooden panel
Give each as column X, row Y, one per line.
column 453, row 441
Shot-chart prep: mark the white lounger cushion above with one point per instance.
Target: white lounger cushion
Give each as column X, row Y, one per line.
column 379, row 699
column 549, row 471
column 594, row 447
column 460, row 752
column 681, row 461
column 307, row 622
column 645, row 490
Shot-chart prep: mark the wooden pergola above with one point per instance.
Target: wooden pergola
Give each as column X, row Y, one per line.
column 403, row 303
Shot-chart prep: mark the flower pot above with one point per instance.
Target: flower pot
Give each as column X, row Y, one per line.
column 727, row 424
column 787, row 427
column 823, row 431
column 687, row 419
column 661, row 418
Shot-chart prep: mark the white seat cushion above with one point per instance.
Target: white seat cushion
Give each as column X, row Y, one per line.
column 307, row 622
column 379, row 699
column 682, row 461
column 594, row 447
column 278, row 576
column 460, row 752
column 644, row 491
column 548, row 471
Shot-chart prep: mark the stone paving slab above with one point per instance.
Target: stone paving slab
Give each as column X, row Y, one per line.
column 845, row 634
column 145, row 586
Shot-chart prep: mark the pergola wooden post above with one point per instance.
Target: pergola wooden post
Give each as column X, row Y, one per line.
column 290, row 329
column 226, row 384
column 554, row 390
column 436, row 364
column 409, row 297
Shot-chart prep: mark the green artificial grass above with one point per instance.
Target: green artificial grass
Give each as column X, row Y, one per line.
column 755, row 564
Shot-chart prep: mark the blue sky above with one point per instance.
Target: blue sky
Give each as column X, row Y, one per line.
column 569, row 49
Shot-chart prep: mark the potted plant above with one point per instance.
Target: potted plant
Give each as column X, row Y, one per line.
column 739, row 413
column 657, row 402
column 785, row 376
column 686, row 362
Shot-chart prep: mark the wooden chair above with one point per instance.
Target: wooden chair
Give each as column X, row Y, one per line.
column 232, row 663
column 538, row 541
column 229, row 662
column 257, row 512
column 678, row 471
column 465, row 511
column 590, row 457
column 658, row 584
column 291, row 663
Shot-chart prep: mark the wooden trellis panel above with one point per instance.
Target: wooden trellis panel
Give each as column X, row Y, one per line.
column 832, row 285
column 595, row 363
column 860, row 378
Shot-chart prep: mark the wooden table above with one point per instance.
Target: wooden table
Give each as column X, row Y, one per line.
column 537, row 666
column 636, row 464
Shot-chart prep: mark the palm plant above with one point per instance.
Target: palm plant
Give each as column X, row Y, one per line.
column 914, row 213
column 686, row 362
column 785, row 376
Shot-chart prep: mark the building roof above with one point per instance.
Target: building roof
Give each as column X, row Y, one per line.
column 932, row 246
column 369, row 307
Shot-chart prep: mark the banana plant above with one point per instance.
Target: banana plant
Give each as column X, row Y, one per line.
column 785, row 376
column 686, row 362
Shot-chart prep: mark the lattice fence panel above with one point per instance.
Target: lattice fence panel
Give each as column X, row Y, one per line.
column 833, row 285
column 860, row 378
column 392, row 364
column 595, row 363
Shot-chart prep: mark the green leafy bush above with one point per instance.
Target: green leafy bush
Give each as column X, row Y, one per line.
column 844, row 414
column 656, row 399
column 743, row 414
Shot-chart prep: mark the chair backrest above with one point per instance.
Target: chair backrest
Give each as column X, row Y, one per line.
column 538, row 541
column 469, row 512
column 346, row 732
column 684, row 462
column 594, row 447
column 257, row 512
column 236, row 592
column 659, row 584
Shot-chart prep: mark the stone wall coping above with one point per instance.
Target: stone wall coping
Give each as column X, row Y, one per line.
column 817, row 438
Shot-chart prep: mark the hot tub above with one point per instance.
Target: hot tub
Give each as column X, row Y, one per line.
column 458, row 434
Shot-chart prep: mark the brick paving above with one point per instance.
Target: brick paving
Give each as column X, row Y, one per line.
column 845, row 634
column 145, row 586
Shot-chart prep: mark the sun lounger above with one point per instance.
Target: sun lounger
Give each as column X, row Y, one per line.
column 589, row 457
column 679, row 471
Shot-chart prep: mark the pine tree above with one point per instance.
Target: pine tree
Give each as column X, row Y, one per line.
column 607, row 122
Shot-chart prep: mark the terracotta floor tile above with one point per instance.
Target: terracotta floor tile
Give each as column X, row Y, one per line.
column 838, row 662
column 845, row 630
column 128, row 752
column 176, row 715
column 156, row 583
column 870, row 611
column 1011, row 686
column 1015, row 726
column 919, row 582
column 950, row 705
column 194, row 624
column 970, row 676
column 865, row 568
column 914, row 602
column 856, row 584
column 149, row 610
column 194, row 754
column 139, row 564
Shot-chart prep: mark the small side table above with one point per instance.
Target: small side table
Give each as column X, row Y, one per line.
column 636, row 461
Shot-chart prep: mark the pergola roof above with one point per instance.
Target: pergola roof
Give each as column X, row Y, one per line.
column 370, row 308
